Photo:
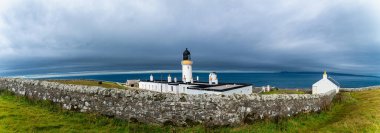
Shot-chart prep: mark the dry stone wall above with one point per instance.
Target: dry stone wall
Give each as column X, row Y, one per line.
column 163, row 108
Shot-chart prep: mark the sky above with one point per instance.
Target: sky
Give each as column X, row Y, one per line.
column 56, row 36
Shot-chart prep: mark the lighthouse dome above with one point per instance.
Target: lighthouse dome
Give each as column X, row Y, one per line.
column 186, row 55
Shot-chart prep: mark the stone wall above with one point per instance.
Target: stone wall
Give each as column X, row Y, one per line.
column 161, row 108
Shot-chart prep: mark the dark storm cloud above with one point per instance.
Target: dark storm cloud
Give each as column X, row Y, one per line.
column 69, row 36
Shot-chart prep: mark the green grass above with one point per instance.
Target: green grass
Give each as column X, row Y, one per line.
column 284, row 91
column 350, row 112
column 90, row 83
column 18, row 114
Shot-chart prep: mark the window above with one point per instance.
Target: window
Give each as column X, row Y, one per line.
column 172, row 88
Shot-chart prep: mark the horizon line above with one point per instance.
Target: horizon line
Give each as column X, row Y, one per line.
column 91, row 73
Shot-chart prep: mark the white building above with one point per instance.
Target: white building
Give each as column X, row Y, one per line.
column 190, row 86
column 326, row 84
column 213, row 79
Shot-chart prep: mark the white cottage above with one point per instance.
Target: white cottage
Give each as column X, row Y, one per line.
column 326, row 84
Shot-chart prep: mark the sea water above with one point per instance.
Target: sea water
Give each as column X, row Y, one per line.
column 280, row 80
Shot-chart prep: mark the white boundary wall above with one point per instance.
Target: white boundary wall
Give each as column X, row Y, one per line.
column 183, row 88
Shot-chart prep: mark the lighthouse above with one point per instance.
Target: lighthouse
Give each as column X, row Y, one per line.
column 187, row 70
column 193, row 86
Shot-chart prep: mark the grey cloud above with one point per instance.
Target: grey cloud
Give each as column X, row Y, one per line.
column 66, row 36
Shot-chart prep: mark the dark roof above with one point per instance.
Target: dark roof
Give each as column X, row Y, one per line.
column 186, row 55
column 187, row 52
column 333, row 81
column 207, row 87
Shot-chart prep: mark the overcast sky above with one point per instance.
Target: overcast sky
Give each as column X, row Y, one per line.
column 60, row 36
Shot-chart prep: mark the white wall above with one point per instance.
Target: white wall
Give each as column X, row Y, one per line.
column 161, row 87
column 243, row 90
column 182, row 88
column 323, row 86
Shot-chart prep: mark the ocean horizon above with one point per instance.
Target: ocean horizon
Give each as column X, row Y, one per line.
column 289, row 80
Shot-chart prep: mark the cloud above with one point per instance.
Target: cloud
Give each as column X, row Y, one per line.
column 52, row 36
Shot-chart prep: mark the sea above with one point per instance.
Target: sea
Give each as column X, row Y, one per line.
column 289, row 80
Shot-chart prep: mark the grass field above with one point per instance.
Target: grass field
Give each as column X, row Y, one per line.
column 284, row 91
column 90, row 83
column 350, row 112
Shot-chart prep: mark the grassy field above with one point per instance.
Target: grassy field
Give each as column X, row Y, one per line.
column 90, row 83
column 350, row 112
column 284, row 91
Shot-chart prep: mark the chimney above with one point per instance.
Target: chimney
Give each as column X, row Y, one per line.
column 325, row 75
column 169, row 78
column 151, row 77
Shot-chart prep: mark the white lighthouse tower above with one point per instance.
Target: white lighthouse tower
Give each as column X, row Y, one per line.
column 187, row 70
